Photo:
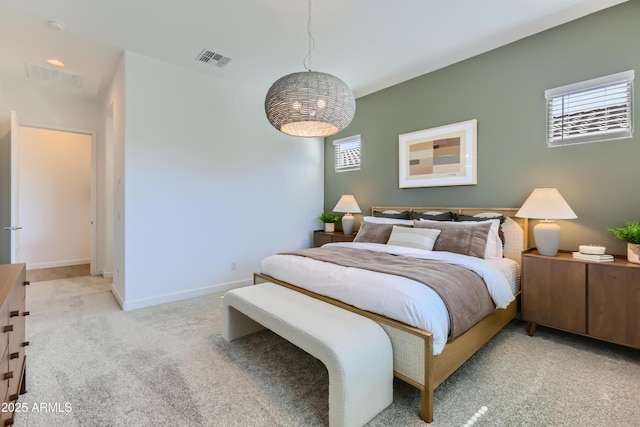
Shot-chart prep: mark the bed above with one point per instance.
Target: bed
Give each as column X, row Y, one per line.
column 422, row 357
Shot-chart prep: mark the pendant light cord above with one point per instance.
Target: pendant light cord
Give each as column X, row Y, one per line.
column 307, row 59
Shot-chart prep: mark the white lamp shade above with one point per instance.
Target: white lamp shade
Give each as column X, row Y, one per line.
column 347, row 204
column 546, row 203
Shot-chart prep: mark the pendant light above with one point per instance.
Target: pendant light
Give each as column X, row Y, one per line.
column 310, row 103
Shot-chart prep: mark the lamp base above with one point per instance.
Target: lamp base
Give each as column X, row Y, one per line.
column 547, row 235
column 348, row 222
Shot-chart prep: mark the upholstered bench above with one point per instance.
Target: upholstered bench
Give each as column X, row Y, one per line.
column 355, row 350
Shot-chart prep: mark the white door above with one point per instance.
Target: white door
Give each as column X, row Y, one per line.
column 14, row 227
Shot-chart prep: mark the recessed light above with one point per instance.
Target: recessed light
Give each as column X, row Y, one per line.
column 56, row 25
column 55, row 62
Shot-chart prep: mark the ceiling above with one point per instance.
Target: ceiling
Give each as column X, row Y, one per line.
column 370, row 44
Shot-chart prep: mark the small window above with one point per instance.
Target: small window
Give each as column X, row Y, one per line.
column 347, row 151
column 590, row 111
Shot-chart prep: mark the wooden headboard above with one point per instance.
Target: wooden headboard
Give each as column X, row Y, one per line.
column 514, row 244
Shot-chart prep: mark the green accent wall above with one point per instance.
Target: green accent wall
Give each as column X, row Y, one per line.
column 504, row 90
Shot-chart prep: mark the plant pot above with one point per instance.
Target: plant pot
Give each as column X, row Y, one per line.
column 329, row 227
column 633, row 253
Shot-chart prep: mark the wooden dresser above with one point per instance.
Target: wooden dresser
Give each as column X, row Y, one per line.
column 595, row 299
column 12, row 344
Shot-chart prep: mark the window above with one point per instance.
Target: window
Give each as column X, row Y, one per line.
column 590, row 111
column 347, row 151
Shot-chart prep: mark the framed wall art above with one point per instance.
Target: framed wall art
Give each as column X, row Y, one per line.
column 440, row 156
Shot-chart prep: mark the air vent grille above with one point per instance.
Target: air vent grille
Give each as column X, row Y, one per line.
column 212, row 58
column 55, row 76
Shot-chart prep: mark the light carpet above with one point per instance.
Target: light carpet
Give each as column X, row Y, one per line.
column 91, row 364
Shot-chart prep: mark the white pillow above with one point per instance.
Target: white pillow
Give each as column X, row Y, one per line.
column 419, row 238
column 382, row 220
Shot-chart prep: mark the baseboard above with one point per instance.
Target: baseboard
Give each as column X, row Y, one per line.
column 56, row 264
column 107, row 274
column 117, row 296
column 54, row 273
column 178, row 296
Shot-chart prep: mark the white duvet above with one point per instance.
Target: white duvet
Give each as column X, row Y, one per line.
column 392, row 296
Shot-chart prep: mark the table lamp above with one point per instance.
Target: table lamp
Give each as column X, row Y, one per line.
column 348, row 205
column 546, row 204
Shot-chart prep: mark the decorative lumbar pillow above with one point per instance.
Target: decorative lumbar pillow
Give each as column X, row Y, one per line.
column 462, row 238
column 419, row 238
column 483, row 217
column 384, row 220
column 444, row 216
column 371, row 232
column 496, row 239
column 392, row 214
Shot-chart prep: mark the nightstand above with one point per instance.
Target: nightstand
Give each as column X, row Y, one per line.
column 321, row 237
column 595, row 299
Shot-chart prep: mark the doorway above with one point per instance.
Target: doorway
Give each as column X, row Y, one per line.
column 55, row 202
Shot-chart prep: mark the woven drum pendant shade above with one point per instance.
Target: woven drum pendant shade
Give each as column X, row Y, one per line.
column 310, row 104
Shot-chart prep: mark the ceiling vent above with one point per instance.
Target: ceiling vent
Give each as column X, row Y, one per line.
column 55, row 76
column 211, row 58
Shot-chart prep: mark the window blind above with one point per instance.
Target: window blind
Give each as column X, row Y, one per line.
column 347, row 153
column 593, row 110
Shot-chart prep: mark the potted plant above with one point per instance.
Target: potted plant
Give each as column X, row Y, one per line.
column 329, row 219
column 630, row 233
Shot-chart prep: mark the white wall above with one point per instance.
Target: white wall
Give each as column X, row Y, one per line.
column 206, row 182
column 54, row 187
column 200, row 178
column 37, row 104
column 114, row 147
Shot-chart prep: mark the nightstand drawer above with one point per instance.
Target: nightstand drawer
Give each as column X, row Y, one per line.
column 614, row 304
column 555, row 293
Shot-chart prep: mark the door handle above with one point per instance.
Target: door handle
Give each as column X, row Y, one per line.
column 12, row 228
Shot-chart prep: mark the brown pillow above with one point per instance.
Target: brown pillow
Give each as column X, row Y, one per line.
column 461, row 238
column 502, row 219
column 373, row 233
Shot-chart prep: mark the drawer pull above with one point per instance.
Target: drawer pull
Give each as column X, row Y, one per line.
column 26, row 343
column 7, row 375
column 7, row 328
column 25, row 313
column 14, row 313
column 14, row 355
column 26, row 283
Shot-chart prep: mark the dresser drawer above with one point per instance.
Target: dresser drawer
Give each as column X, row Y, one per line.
column 4, row 369
column 12, row 335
